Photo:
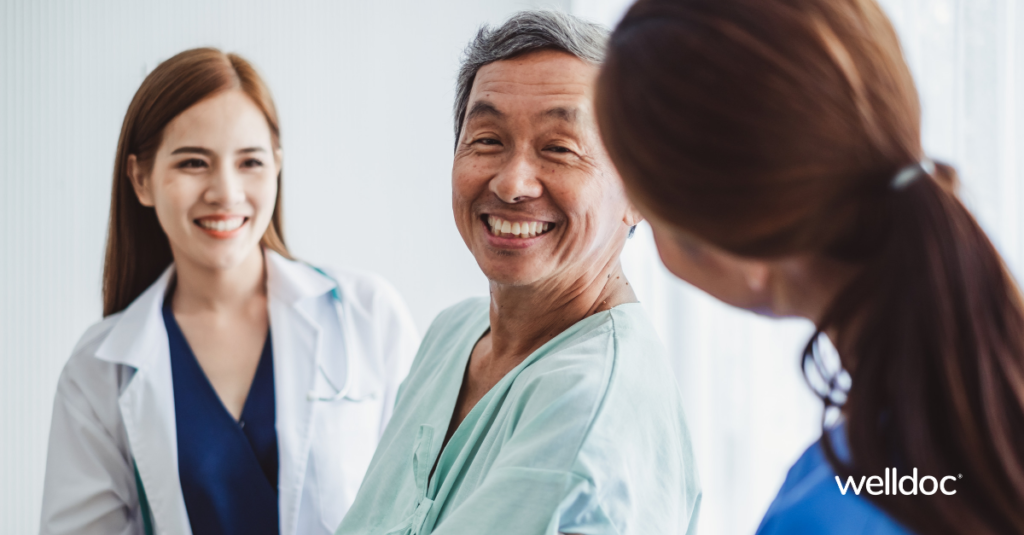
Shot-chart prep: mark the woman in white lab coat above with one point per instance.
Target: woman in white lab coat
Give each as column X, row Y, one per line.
column 229, row 388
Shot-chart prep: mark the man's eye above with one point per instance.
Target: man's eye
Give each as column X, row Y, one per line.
column 560, row 150
column 252, row 162
column 192, row 163
column 489, row 141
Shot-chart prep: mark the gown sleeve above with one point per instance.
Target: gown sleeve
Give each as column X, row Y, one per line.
column 398, row 340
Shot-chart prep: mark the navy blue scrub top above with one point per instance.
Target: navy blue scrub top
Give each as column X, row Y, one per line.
column 227, row 468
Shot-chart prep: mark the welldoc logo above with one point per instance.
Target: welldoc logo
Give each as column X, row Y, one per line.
column 906, row 485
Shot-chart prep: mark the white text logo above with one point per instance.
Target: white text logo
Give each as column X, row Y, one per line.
column 906, row 485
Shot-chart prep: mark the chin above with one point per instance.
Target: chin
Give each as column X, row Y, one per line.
column 508, row 273
column 224, row 260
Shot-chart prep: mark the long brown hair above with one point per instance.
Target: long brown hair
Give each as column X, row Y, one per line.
column 137, row 248
column 775, row 127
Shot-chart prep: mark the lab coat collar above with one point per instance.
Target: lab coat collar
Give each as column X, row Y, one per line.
column 130, row 340
column 292, row 282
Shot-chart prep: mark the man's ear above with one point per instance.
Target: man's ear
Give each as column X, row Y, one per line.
column 756, row 274
column 633, row 216
column 140, row 182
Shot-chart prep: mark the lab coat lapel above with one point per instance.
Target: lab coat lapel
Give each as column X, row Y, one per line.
column 147, row 404
column 297, row 339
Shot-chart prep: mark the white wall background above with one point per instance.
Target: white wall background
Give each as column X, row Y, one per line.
column 364, row 91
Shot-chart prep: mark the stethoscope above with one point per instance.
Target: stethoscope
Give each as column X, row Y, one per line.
column 339, row 393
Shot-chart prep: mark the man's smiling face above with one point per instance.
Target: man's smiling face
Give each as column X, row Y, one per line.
column 535, row 196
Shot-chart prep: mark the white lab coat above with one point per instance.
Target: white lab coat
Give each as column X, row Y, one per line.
column 338, row 362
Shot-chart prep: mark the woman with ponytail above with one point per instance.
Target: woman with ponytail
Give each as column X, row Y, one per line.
column 774, row 146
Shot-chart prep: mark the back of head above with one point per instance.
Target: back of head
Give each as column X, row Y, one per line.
column 775, row 127
column 137, row 248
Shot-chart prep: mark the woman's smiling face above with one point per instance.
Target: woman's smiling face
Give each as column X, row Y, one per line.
column 213, row 181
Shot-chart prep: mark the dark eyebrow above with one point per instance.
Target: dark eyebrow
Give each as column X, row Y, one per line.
column 209, row 153
column 195, row 150
column 568, row 115
column 482, row 108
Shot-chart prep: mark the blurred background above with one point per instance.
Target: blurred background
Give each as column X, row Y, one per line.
column 364, row 90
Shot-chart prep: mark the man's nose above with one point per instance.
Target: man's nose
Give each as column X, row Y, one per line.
column 226, row 187
column 518, row 180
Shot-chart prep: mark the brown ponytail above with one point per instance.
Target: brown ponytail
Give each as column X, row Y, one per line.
column 137, row 248
column 775, row 127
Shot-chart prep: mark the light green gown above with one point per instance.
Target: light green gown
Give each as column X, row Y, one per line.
column 585, row 436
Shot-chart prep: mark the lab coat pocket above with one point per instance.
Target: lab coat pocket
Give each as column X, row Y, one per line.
column 347, row 434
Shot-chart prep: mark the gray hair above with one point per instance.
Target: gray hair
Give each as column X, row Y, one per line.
column 526, row 32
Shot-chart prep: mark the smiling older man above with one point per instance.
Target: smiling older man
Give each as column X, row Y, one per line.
column 551, row 406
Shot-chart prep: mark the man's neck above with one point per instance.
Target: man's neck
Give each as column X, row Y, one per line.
column 523, row 318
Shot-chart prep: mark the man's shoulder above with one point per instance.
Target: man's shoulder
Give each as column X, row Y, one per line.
column 464, row 315
column 640, row 410
column 621, row 341
column 594, row 369
column 455, row 328
column 612, row 395
column 469, row 307
column 600, row 348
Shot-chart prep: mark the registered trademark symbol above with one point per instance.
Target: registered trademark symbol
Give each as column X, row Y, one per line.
column 961, row 476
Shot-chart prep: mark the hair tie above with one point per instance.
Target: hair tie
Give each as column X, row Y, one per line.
column 908, row 174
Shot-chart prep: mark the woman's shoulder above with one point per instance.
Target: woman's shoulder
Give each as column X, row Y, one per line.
column 95, row 335
column 811, row 501
column 84, row 355
column 86, row 377
column 363, row 290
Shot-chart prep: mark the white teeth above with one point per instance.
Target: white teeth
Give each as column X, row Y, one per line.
column 222, row 225
column 524, row 229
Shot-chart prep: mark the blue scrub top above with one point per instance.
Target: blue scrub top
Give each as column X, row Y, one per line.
column 227, row 468
column 810, row 500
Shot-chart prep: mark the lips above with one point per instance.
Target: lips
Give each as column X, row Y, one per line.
column 221, row 226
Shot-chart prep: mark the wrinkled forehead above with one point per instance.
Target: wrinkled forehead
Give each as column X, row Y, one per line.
column 546, row 83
